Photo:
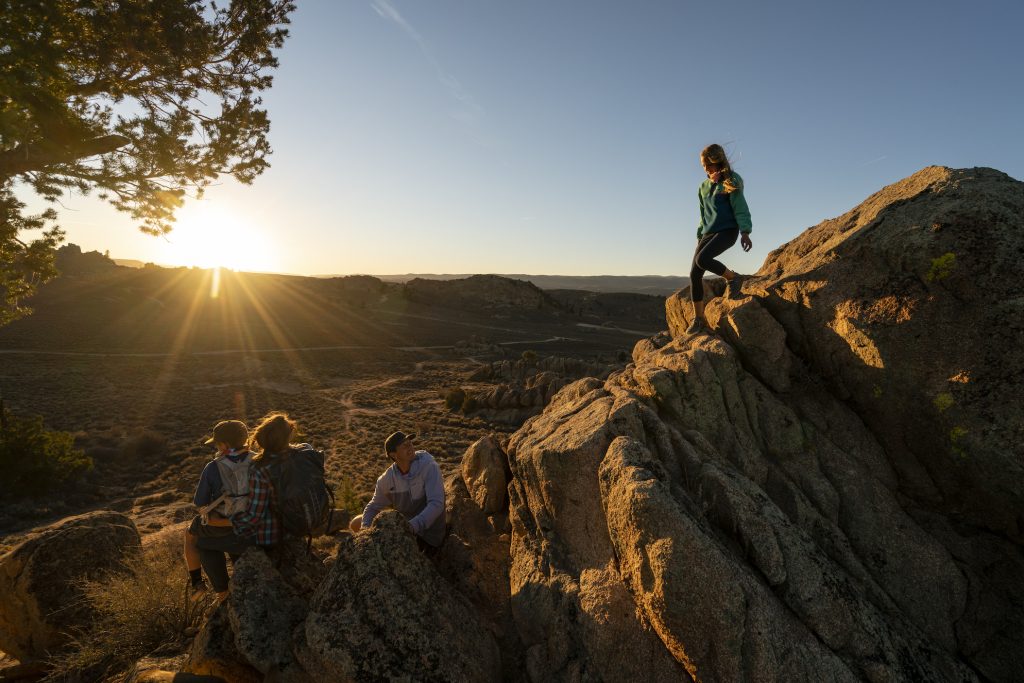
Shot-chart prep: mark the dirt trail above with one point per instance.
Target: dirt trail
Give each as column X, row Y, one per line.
column 348, row 399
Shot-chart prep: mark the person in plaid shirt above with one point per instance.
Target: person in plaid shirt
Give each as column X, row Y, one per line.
column 255, row 521
column 257, row 524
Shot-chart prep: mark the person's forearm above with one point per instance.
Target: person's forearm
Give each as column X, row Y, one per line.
column 378, row 502
column 434, row 488
column 429, row 514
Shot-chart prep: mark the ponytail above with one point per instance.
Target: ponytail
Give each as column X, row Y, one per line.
column 272, row 435
column 715, row 154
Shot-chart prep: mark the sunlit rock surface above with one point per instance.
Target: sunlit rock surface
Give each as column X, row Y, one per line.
column 828, row 488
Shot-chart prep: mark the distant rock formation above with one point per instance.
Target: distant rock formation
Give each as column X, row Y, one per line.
column 829, row 488
column 621, row 307
column 650, row 285
column 71, row 260
column 522, row 369
column 481, row 292
column 40, row 593
column 521, row 388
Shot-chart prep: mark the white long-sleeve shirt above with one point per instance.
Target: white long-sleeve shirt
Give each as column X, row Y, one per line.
column 419, row 495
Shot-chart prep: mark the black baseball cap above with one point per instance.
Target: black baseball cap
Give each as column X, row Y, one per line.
column 392, row 443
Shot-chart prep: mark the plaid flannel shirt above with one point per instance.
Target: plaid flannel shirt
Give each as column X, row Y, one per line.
column 258, row 519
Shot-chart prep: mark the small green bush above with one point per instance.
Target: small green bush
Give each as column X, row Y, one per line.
column 469, row 404
column 529, row 357
column 956, row 437
column 943, row 401
column 35, row 460
column 144, row 607
column 345, row 495
column 942, row 267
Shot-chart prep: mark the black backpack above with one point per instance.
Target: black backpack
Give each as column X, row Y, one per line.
column 304, row 501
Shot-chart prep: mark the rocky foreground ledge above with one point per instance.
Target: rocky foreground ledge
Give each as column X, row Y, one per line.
column 828, row 488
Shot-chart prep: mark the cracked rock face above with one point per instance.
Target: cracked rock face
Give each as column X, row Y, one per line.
column 828, row 488
column 384, row 613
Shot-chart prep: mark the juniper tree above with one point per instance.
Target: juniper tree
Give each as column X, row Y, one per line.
column 142, row 101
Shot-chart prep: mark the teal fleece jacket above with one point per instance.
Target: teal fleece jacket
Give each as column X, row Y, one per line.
column 720, row 211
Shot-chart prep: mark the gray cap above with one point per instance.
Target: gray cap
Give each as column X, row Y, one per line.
column 231, row 432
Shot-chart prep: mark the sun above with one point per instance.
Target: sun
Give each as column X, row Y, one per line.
column 208, row 236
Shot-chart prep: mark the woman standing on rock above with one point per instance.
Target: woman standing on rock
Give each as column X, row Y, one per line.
column 723, row 216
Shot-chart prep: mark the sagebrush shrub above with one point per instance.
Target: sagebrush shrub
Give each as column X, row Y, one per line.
column 454, row 398
column 470, row 403
column 138, row 610
column 346, row 496
column 144, row 445
column 35, row 460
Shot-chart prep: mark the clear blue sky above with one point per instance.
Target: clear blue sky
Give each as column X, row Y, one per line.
column 558, row 137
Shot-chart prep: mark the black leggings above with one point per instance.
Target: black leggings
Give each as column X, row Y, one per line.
column 211, row 555
column 708, row 248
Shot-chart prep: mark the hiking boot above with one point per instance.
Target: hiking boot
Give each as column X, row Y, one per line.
column 198, row 592
column 698, row 325
column 732, row 287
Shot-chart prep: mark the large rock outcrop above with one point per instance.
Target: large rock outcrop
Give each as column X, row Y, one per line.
column 384, row 613
column 41, row 600
column 249, row 636
column 828, row 488
column 485, row 474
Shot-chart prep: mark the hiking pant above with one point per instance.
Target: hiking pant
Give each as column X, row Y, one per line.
column 709, row 246
column 211, row 556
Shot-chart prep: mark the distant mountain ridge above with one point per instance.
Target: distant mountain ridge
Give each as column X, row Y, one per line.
column 100, row 306
column 657, row 285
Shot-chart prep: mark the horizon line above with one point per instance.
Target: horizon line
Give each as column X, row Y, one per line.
column 121, row 261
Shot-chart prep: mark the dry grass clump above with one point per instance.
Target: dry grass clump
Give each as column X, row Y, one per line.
column 144, row 610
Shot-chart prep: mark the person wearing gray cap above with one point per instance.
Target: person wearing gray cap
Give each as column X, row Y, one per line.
column 413, row 486
column 222, row 491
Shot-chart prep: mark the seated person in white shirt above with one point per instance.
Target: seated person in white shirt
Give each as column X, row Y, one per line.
column 413, row 486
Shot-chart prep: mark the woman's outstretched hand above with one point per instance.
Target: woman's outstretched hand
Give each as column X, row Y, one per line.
column 745, row 242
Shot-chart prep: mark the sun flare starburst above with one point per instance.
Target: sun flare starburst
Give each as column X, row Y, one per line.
column 209, row 236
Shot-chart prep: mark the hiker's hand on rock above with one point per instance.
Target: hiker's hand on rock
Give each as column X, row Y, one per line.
column 745, row 242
